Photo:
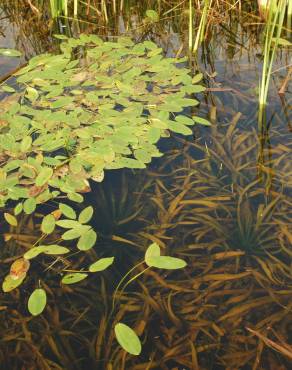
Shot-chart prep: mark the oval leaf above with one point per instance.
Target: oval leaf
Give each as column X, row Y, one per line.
column 33, row 252
column 37, row 302
column 87, row 240
column 101, row 264
column 166, row 262
column 152, row 251
column 10, row 284
column 44, row 176
column 74, row 278
column 19, row 268
column 48, row 224
column 55, row 249
column 128, row 339
column 85, row 215
column 67, row 211
column 10, row 219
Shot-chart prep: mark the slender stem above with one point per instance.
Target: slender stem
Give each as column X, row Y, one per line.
column 123, row 279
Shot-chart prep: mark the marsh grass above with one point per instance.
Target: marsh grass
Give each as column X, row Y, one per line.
column 273, row 30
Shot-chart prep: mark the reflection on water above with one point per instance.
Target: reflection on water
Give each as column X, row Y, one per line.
column 222, row 199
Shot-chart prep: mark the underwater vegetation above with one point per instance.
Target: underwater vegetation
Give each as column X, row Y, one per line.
column 228, row 215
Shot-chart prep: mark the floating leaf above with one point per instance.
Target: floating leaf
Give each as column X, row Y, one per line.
column 44, row 176
column 76, row 232
column 37, row 302
column 48, row 224
column 29, row 206
column 67, row 211
column 10, row 219
column 197, row 78
column 26, row 144
column 8, row 89
column 33, row 252
column 87, row 240
column 101, row 264
column 10, row 284
column 166, row 262
column 55, row 249
column 74, row 278
column 18, row 209
column 68, row 224
column 128, row 339
column 152, row 251
column 85, row 215
column 202, row 121
column 75, row 197
column 31, row 94
column 19, row 268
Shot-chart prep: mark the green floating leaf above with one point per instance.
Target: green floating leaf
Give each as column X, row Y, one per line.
column 48, row 224
column 67, row 211
column 101, row 264
column 29, row 206
column 152, row 251
column 10, row 219
column 87, row 240
column 44, row 176
column 18, row 209
column 68, row 224
column 179, row 128
column 31, row 94
column 8, row 89
column 75, row 197
column 33, row 252
column 197, row 78
column 201, row 121
column 166, row 262
column 85, row 215
column 74, row 278
column 26, row 144
column 128, row 339
column 9, row 283
column 54, row 249
column 10, row 52
column 37, row 302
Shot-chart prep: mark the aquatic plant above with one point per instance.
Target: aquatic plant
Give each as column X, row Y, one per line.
column 98, row 105
column 75, row 117
column 273, row 29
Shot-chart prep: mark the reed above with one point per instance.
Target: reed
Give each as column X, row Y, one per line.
column 273, row 30
column 202, row 26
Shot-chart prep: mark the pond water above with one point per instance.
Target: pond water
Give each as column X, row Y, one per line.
column 220, row 199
